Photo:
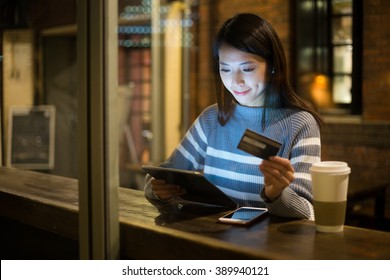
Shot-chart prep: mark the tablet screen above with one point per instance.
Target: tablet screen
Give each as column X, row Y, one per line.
column 198, row 188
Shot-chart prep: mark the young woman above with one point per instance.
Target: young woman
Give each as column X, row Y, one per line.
column 254, row 94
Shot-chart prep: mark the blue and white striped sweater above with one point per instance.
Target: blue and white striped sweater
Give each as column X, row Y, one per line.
column 212, row 149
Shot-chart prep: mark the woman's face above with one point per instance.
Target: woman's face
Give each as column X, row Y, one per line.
column 243, row 74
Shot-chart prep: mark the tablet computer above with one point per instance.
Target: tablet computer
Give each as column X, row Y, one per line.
column 198, row 188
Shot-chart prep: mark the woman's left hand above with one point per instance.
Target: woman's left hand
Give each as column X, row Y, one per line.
column 278, row 174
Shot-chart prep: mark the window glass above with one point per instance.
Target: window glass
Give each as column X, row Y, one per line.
column 342, row 7
column 342, row 30
column 342, row 59
column 329, row 49
column 154, row 39
column 342, row 89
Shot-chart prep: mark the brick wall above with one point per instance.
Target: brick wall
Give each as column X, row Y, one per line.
column 364, row 145
column 376, row 60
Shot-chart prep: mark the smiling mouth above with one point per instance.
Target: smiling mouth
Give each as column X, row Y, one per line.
column 241, row 92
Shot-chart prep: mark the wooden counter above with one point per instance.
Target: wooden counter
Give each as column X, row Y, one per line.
column 51, row 203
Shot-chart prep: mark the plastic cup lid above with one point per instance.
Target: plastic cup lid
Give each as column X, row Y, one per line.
column 330, row 167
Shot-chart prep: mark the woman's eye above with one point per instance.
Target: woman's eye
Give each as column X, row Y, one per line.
column 248, row 69
column 224, row 70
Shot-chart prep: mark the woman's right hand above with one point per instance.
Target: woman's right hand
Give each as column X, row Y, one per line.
column 166, row 191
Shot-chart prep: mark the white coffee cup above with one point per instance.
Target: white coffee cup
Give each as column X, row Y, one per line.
column 330, row 189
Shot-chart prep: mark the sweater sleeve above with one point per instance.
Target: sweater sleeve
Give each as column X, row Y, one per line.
column 296, row 200
column 190, row 153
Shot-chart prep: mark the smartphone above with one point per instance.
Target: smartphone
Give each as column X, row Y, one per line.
column 244, row 215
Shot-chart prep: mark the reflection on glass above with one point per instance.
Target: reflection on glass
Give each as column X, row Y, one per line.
column 320, row 92
column 342, row 30
column 306, row 54
column 342, row 59
column 342, row 7
column 342, row 40
column 148, row 85
column 134, row 78
column 342, row 89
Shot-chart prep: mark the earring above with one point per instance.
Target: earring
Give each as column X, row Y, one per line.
column 273, row 71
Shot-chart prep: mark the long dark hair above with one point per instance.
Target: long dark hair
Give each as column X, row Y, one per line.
column 253, row 34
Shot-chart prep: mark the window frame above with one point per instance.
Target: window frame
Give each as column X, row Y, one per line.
column 312, row 25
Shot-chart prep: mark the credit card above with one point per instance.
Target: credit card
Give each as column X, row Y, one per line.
column 258, row 145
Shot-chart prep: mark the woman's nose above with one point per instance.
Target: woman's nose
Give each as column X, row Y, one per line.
column 238, row 79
